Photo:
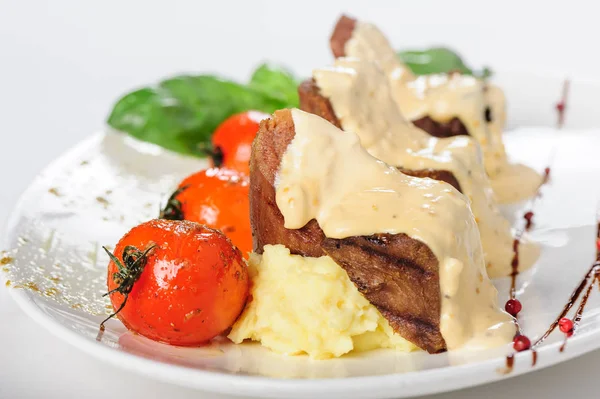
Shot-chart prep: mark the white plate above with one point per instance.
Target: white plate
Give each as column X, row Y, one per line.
column 102, row 187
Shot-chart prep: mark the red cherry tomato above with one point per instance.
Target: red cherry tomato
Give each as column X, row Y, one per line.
column 183, row 283
column 233, row 139
column 218, row 198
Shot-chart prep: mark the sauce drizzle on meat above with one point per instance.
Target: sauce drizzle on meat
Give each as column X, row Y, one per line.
column 446, row 99
column 313, row 183
column 359, row 95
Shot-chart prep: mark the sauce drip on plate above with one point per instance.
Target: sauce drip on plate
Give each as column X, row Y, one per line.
column 528, row 216
column 585, row 287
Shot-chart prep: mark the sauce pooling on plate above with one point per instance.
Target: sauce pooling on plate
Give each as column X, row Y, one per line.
column 313, row 183
column 443, row 97
column 361, row 99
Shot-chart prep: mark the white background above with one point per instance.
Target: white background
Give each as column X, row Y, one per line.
column 63, row 63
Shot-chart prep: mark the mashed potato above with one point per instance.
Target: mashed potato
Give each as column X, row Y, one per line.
column 309, row 305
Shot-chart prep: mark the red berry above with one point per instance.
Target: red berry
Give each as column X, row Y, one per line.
column 513, row 307
column 521, row 343
column 565, row 325
column 528, row 217
column 560, row 106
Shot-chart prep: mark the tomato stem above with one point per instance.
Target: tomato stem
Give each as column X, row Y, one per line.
column 172, row 210
column 128, row 273
column 216, row 154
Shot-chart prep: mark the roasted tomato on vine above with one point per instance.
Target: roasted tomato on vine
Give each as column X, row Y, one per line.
column 218, row 198
column 232, row 141
column 177, row 282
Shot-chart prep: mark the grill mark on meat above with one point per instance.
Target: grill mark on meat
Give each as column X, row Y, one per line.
column 400, row 277
column 407, row 318
column 422, row 325
column 376, row 247
column 380, row 252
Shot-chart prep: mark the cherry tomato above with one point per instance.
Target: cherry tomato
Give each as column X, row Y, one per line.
column 183, row 283
column 233, row 139
column 218, row 198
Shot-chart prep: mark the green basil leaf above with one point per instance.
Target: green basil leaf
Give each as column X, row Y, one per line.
column 182, row 112
column 277, row 82
column 438, row 60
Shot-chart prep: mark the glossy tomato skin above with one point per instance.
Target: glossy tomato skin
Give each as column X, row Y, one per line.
column 234, row 138
column 218, row 198
column 193, row 287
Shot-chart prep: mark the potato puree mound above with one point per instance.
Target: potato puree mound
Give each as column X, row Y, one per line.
column 309, row 305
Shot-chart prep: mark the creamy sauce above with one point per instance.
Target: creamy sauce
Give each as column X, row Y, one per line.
column 326, row 174
column 495, row 100
column 361, row 99
column 516, row 182
column 444, row 97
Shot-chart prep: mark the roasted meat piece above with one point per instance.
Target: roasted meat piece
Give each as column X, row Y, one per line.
column 342, row 33
column 312, row 101
column 397, row 274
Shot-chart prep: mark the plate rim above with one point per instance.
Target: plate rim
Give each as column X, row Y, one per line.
column 260, row 386
column 254, row 386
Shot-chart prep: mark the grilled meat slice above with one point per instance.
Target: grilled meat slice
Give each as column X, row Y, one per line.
column 343, row 32
column 311, row 100
column 398, row 274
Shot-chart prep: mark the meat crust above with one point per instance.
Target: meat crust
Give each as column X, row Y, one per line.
column 313, row 102
column 273, row 138
column 441, row 129
column 341, row 34
column 397, row 274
